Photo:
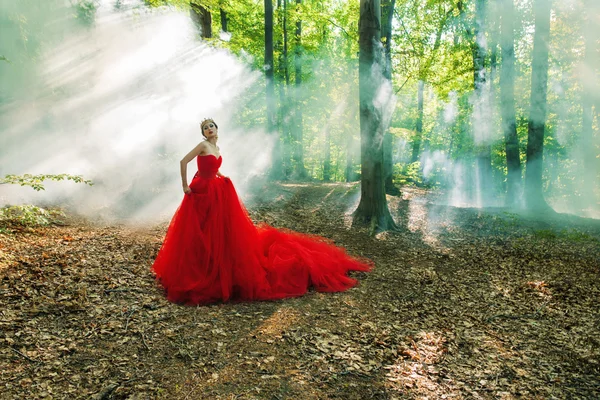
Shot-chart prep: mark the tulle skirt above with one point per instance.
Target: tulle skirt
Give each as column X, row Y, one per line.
column 213, row 252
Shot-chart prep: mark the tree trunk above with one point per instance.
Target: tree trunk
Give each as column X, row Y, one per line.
column 284, row 106
column 223, row 20
column 416, row 145
column 286, row 73
column 388, row 142
column 372, row 209
column 299, row 169
column 349, row 172
column 481, row 110
column 589, row 82
column 276, row 169
column 534, row 196
column 507, row 104
column 202, row 18
column 327, row 160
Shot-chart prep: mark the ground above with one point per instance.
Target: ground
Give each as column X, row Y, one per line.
column 462, row 304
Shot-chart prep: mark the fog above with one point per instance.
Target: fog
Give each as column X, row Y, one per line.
column 120, row 103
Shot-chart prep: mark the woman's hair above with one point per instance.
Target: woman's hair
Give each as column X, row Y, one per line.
column 207, row 121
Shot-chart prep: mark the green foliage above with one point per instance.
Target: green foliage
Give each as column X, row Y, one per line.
column 545, row 234
column 36, row 181
column 85, row 11
column 408, row 174
column 432, row 41
column 28, row 215
column 573, row 235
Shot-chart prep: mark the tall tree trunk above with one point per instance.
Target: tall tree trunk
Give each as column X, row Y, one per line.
column 327, row 158
column 372, row 209
column 534, row 195
column 299, row 169
column 388, row 142
column 286, row 73
column 507, row 104
column 349, row 170
column 284, row 105
column 481, row 110
column 276, row 169
column 202, row 18
column 590, row 83
column 416, row 145
column 223, row 20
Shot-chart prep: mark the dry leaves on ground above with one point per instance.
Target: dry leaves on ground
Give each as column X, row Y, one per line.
column 462, row 304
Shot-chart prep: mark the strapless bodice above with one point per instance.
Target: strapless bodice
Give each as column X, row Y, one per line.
column 208, row 166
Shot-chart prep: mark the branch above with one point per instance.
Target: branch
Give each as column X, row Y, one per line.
column 341, row 27
column 35, row 181
column 25, row 356
column 401, row 86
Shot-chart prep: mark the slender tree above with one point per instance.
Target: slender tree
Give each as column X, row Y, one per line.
column 372, row 209
column 388, row 142
column 202, row 18
column 223, row 14
column 282, row 82
column 276, row 170
column 423, row 72
column 534, row 196
column 590, row 89
column 507, row 103
column 327, row 158
column 482, row 117
column 416, row 144
column 298, row 148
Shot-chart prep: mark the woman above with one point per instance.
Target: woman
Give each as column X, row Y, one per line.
column 213, row 252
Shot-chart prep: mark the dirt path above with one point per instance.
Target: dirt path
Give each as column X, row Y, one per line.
column 463, row 305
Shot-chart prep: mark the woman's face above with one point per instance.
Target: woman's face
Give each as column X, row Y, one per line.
column 209, row 129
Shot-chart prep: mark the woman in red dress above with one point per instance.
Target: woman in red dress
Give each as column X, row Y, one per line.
column 213, row 251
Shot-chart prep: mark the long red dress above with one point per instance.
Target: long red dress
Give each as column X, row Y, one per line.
column 213, row 252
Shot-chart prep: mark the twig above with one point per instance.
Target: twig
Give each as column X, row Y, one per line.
column 25, row 356
column 401, row 86
column 129, row 314
column 106, row 291
column 193, row 388
column 144, row 341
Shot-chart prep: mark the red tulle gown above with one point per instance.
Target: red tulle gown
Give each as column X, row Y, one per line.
column 213, row 252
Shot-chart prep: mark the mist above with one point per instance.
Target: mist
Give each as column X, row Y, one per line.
column 571, row 180
column 120, row 103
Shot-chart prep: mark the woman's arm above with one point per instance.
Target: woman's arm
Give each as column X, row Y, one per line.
column 201, row 148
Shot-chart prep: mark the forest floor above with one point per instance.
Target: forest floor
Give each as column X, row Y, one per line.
column 462, row 304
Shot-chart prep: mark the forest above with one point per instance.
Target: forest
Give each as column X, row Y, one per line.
column 454, row 143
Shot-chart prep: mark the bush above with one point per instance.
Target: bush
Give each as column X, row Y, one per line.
column 28, row 216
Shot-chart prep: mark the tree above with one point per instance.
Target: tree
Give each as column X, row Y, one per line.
column 276, row 170
column 223, row 15
column 297, row 144
column 507, row 103
column 372, row 209
column 202, row 18
column 534, row 195
column 416, row 145
column 481, row 111
column 429, row 20
column 590, row 89
column 388, row 142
